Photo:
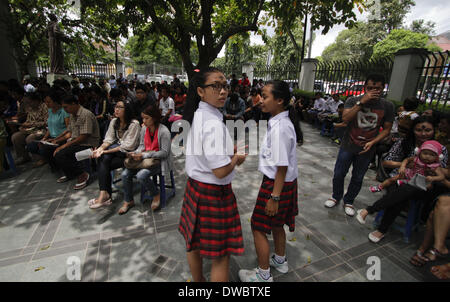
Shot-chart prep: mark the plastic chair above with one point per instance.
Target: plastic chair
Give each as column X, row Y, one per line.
column 162, row 189
column 412, row 220
column 10, row 159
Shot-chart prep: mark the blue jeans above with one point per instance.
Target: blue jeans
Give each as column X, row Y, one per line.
column 143, row 177
column 360, row 165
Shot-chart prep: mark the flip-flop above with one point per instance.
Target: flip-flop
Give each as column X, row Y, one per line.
column 437, row 254
column 101, row 204
column 126, row 209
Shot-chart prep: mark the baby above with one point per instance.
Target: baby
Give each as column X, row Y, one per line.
column 427, row 162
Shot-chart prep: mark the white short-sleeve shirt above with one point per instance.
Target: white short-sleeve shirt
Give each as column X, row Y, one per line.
column 279, row 148
column 332, row 105
column 320, row 104
column 209, row 146
column 166, row 105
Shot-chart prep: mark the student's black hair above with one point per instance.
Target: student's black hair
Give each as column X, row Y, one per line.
column 70, row 99
column 35, row 96
column 141, row 87
column 280, row 90
column 193, row 99
column 376, row 78
column 115, row 93
column 166, row 88
column 56, row 94
column 76, row 91
column 128, row 116
column 411, row 104
column 445, row 116
column 154, row 112
column 99, row 91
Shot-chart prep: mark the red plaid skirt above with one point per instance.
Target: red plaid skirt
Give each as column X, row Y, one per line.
column 287, row 207
column 210, row 220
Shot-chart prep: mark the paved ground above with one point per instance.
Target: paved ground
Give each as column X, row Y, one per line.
column 43, row 223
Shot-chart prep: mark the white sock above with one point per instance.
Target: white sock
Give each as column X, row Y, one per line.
column 280, row 259
column 264, row 273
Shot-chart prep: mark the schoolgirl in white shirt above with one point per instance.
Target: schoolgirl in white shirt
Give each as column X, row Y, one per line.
column 276, row 204
column 210, row 221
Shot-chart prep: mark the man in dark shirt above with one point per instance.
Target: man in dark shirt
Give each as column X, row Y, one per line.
column 144, row 99
column 364, row 115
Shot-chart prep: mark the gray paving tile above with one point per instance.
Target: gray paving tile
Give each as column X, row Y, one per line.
column 15, row 260
column 103, row 262
column 288, row 277
column 333, row 273
column 390, row 272
column 52, row 269
column 130, row 260
column 10, row 254
column 352, row 277
column 171, row 264
column 315, row 268
column 12, row 273
column 15, row 237
column 59, row 251
column 89, row 265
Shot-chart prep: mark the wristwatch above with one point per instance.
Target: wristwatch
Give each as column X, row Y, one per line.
column 275, row 198
column 358, row 103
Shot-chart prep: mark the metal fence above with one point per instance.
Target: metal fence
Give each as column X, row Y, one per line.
column 81, row 70
column 434, row 83
column 347, row 77
column 157, row 69
column 288, row 72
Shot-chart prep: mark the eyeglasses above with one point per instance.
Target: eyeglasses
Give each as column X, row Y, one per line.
column 217, row 87
column 119, row 107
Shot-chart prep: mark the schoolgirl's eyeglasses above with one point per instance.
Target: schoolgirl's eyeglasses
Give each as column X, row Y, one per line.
column 217, row 87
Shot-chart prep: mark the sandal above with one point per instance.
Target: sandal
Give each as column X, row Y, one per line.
column 124, row 209
column 100, row 204
column 436, row 254
column 331, row 202
column 375, row 189
column 418, row 259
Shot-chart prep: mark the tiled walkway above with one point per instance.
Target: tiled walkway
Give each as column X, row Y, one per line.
column 43, row 223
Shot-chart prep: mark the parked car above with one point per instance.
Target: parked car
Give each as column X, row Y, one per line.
column 355, row 89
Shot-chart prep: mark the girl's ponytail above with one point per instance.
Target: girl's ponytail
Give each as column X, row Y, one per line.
column 280, row 90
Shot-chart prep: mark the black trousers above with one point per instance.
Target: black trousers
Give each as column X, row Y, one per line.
column 65, row 159
column 46, row 151
column 396, row 200
column 108, row 163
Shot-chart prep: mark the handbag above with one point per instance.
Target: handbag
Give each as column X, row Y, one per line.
column 146, row 163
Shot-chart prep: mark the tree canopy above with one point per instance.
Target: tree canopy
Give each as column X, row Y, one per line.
column 381, row 35
column 401, row 39
column 210, row 24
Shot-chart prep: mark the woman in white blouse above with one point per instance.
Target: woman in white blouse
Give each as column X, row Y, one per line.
column 122, row 136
